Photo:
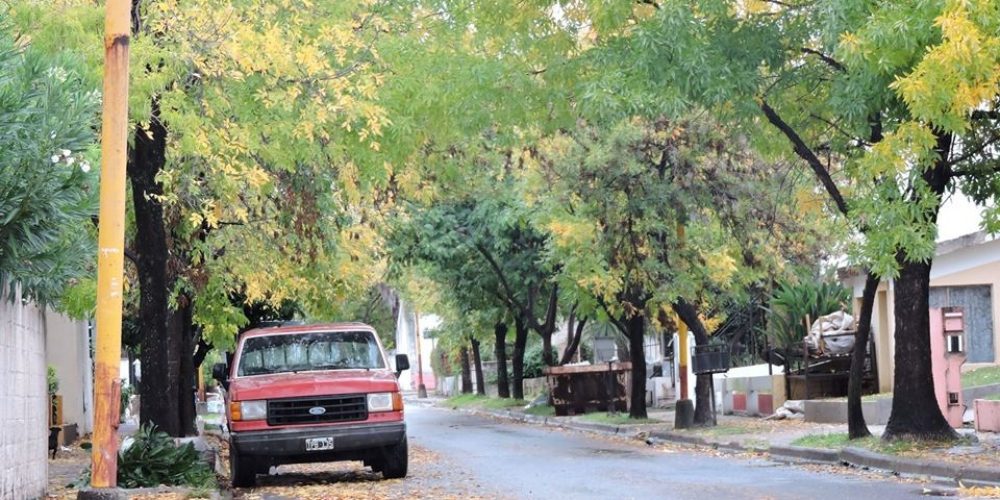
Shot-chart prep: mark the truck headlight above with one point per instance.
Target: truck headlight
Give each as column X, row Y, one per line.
column 385, row 401
column 248, row 410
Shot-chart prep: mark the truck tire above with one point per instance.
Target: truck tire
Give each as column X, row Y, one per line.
column 394, row 462
column 242, row 470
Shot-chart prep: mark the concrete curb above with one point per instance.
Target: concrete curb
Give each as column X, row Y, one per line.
column 856, row 457
column 803, row 453
column 865, row 458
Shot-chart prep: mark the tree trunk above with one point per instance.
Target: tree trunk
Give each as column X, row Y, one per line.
column 160, row 345
column 500, row 336
column 703, row 390
column 636, row 333
column 856, row 426
column 463, row 354
column 573, row 346
column 547, row 355
column 477, row 361
column 915, row 412
column 188, row 381
column 520, row 339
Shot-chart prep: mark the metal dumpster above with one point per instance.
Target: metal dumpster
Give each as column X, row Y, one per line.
column 586, row 388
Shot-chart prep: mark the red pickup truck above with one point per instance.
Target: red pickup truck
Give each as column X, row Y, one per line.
column 316, row 393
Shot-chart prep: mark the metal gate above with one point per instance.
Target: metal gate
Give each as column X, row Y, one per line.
column 978, row 304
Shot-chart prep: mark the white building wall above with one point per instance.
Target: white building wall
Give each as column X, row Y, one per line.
column 68, row 353
column 24, row 396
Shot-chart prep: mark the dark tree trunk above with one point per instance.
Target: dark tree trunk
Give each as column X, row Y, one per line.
column 520, row 339
column 915, row 412
column 189, row 382
column 573, row 346
column 477, row 362
column 500, row 336
column 463, row 354
column 160, row 354
column 856, row 426
column 703, row 387
column 547, row 355
column 636, row 333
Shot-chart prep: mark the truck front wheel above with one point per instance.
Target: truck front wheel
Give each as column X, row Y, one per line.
column 394, row 461
column 242, row 470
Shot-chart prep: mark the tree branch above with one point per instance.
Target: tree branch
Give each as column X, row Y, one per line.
column 804, row 152
column 511, row 298
column 833, row 63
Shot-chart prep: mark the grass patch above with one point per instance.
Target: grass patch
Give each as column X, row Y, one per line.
column 477, row 401
column 465, row 400
column 617, row 419
column 541, row 411
column 874, row 443
column 981, row 376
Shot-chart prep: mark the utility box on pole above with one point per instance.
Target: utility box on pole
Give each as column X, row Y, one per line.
column 947, row 357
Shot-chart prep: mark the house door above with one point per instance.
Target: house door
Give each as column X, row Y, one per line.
column 978, row 304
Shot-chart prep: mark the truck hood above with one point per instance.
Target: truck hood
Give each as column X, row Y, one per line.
column 306, row 384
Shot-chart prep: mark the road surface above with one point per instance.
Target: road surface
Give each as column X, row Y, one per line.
column 456, row 455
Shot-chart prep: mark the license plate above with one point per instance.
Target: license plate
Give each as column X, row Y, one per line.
column 319, row 444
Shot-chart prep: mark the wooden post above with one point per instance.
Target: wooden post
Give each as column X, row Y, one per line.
column 111, row 245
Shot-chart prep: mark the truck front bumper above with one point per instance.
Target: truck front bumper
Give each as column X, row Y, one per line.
column 292, row 442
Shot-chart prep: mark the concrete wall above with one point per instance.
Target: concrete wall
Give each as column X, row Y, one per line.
column 67, row 351
column 757, row 395
column 23, row 400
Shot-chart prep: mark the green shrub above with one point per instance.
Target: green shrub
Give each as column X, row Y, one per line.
column 53, row 380
column 533, row 363
column 153, row 459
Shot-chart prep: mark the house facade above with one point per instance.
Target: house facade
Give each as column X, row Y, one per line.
column 965, row 273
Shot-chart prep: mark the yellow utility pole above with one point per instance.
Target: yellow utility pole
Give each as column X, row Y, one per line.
column 684, row 410
column 111, row 245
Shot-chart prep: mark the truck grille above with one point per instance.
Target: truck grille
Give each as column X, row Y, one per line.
column 338, row 409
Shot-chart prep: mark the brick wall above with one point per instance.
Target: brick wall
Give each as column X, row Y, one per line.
column 23, row 400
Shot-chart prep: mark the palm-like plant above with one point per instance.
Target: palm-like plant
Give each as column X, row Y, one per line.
column 793, row 306
column 47, row 194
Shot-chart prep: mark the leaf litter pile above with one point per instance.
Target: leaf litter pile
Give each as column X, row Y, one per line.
column 429, row 476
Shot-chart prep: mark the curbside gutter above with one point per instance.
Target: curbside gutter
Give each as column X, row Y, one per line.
column 850, row 456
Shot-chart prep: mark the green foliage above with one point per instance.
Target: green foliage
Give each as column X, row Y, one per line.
column 533, row 363
column 442, row 362
column 153, row 459
column 48, row 179
column 53, row 380
column 794, row 305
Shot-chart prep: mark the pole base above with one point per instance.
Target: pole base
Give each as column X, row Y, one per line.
column 684, row 414
column 422, row 391
column 101, row 494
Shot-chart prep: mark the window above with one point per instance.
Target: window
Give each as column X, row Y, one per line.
column 356, row 350
column 955, row 343
column 952, row 399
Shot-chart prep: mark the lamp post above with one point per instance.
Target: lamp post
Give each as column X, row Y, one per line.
column 111, row 245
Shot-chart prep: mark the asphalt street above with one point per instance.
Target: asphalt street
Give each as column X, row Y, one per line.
column 455, row 455
column 525, row 461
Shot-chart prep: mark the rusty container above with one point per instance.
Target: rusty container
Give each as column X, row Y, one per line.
column 580, row 389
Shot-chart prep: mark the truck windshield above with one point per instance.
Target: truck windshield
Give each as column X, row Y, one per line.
column 310, row 351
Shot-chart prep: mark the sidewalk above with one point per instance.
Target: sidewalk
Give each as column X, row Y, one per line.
column 975, row 460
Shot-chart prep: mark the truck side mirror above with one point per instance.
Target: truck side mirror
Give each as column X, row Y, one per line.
column 402, row 363
column 220, row 373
